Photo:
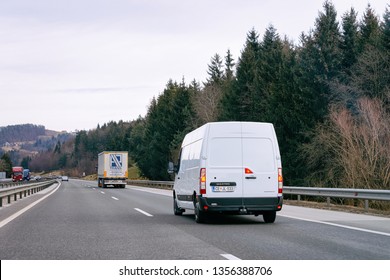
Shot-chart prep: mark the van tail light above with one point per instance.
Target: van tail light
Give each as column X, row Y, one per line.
column 202, row 181
column 248, row 171
column 280, row 181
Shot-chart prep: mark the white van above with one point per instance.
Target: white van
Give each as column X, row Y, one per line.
column 229, row 167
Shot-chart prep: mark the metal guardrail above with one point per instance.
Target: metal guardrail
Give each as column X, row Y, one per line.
column 365, row 194
column 342, row 193
column 9, row 183
column 23, row 190
column 159, row 184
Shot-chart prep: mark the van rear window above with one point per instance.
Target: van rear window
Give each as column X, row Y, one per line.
column 258, row 154
column 255, row 153
column 225, row 152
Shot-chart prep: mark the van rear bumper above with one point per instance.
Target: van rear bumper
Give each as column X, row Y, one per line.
column 241, row 205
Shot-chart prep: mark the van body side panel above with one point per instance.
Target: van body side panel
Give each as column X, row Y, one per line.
column 187, row 178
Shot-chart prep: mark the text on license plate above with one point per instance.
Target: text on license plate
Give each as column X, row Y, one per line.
column 223, row 188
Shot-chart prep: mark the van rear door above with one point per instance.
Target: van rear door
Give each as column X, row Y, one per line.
column 260, row 170
column 224, row 161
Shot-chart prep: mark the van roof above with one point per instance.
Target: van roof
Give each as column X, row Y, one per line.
column 200, row 132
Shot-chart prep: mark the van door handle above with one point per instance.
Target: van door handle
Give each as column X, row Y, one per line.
column 250, row 177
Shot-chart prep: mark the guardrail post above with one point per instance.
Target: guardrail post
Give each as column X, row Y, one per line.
column 15, row 197
column 1, row 201
column 9, row 199
column 299, row 197
column 328, row 201
column 20, row 195
column 366, row 205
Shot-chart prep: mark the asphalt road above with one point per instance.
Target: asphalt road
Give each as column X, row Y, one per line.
column 80, row 221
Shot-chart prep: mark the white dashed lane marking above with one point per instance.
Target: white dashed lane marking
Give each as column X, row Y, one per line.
column 143, row 212
column 230, row 257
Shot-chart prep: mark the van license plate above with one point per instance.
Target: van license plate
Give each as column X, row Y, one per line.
column 223, row 188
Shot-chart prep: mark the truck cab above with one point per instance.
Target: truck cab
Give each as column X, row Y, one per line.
column 26, row 174
column 17, row 174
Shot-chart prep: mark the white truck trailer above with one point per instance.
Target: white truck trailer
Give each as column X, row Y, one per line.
column 112, row 169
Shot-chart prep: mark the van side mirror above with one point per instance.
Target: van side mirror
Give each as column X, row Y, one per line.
column 171, row 168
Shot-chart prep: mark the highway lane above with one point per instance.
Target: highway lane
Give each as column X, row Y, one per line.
column 78, row 222
column 81, row 221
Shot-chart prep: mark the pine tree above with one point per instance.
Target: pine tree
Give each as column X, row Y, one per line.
column 369, row 29
column 327, row 41
column 269, row 73
column 385, row 28
column 370, row 72
column 287, row 111
column 6, row 164
column 320, row 63
column 385, row 47
column 215, row 71
column 239, row 103
column 25, row 162
column 349, row 41
column 229, row 67
column 137, row 144
column 169, row 118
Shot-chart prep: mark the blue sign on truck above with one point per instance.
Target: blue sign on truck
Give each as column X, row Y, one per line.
column 116, row 161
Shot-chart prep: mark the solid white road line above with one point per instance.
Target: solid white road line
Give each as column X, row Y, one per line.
column 154, row 191
column 143, row 212
column 230, row 257
column 338, row 225
column 20, row 212
column 113, row 197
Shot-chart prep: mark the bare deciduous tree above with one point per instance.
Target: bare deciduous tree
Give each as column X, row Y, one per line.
column 352, row 150
column 206, row 103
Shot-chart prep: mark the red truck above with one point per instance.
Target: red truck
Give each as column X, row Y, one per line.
column 17, row 173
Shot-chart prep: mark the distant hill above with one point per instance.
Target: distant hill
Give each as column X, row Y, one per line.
column 26, row 140
column 20, row 133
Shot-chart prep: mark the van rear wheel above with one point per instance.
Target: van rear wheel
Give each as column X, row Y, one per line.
column 269, row 217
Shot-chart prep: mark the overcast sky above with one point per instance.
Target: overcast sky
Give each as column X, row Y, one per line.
column 73, row 64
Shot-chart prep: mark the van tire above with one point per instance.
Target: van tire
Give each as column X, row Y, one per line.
column 200, row 216
column 176, row 209
column 269, row 217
